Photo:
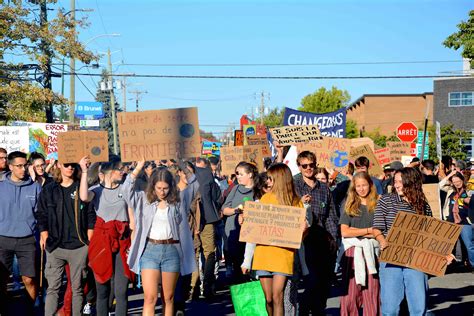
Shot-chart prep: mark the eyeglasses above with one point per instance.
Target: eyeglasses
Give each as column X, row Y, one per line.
column 40, row 166
column 308, row 165
column 69, row 165
column 19, row 166
column 121, row 169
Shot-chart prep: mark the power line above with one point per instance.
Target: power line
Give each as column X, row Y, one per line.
column 294, row 64
column 276, row 77
column 205, row 100
column 93, row 95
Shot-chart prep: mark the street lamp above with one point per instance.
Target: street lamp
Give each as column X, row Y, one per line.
column 72, row 83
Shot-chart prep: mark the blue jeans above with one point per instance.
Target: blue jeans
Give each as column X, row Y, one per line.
column 160, row 257
column 395, row 282
column 467, row 238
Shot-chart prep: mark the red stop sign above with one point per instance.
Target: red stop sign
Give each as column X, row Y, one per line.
column 407, row 132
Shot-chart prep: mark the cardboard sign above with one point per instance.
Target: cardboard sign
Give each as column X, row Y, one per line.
column 375, row 169
column 14, row 138
column 331, row 152
column 273, row 225
column 356, row 142
column 43, row 137
column 238, row 137
column 260, row 140
column 159, row 134
column 231, row 156
column 399, row 149
column 383, row 156
column 420, row 242
column 74, row 145
column 290, row 135
column 431, row 191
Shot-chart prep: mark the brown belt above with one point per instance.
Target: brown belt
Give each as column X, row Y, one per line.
column 163, row 241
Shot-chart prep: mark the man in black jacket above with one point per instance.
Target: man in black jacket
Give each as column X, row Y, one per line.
column 210, row 216
column 66, row 226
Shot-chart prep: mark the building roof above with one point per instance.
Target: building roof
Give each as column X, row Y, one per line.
column 387, row 95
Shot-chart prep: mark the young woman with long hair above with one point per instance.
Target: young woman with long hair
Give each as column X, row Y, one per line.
column 398, row 281
column 162, row 247
column 275, row 264
column 360, row 247
column 244, row 191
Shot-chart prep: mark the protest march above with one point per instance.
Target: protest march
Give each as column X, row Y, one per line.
column 178, row 218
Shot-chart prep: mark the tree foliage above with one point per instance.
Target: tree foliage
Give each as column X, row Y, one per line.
column 352, row 131
column 464, row 38
column 379, row 139
column 274, row 118
column 324, row 101
column 451, row 144
column 26, row 48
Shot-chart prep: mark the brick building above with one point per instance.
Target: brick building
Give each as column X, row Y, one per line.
column 387, row 111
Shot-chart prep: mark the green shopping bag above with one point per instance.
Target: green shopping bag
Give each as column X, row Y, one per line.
column 248, row 299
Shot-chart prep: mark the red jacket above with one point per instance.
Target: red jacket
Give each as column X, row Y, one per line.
column 108, row 238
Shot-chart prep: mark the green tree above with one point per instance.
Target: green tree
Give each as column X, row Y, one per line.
column 103, row 96
column 352, row 131
column 324, row 101
column 22, row 33
column 464, row 38
column 274, row 118
column 451, row 142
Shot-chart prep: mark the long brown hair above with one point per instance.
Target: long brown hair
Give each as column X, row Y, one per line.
column 162, row 175
column 353, row 201
column 413, row 189
column 283, row 186
column 76, row 176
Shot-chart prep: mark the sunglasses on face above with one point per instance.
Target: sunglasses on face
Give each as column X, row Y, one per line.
column 308, row 165
column 69, row 165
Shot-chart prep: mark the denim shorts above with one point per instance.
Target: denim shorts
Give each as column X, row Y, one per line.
column 265, row 274
column 160, row 257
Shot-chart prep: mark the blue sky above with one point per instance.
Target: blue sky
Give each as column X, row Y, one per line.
column 263, row 32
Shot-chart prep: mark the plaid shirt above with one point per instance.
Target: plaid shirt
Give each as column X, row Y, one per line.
column 322, row 204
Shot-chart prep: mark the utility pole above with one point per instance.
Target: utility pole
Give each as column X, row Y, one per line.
column 46, row 50
column 112, row 104
column 138, row 94
column 124, row 93
column 72, row 66
column 261, row 108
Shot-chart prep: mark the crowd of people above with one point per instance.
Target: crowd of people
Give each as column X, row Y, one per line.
column 167, row 226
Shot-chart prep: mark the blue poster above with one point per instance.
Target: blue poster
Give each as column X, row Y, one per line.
column 332, row 124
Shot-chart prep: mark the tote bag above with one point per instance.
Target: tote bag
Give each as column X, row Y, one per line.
column 248, row 299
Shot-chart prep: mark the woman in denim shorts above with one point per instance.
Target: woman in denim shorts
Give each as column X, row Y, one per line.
column 161, row 247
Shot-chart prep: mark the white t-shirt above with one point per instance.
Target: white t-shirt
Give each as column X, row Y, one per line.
column 160, row 228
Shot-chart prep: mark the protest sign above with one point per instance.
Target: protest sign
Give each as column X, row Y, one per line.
column 249, row 130
column 375, row 169
column 332, row 124
column 211, row 148
column 399, row 149
column 383, row 155
column 331, row 152
column 356, row 142
column 431, row 191
column 260, row 140
column 420, row 242
column 230, row 157
column 14, row 138
column 74, row 145
column 159, row 134
column 290, row 135
column 273, row 225
column 238, row 137
column 43, row 137
column 254, row 154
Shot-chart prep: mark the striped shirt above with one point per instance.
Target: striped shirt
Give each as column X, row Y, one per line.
column 387, row 208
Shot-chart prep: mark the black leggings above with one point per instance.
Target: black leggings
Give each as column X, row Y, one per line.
column 120, row 284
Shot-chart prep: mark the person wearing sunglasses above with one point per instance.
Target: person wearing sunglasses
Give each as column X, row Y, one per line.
column 112, row 237
column 66, row 224
column 18, row 202
column 321, row 238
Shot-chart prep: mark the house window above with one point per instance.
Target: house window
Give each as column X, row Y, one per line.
column 461, row 99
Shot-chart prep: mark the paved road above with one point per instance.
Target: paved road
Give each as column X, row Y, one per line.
column 452, row 294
